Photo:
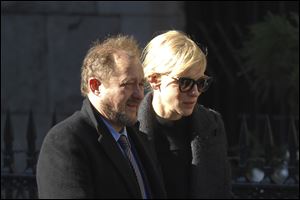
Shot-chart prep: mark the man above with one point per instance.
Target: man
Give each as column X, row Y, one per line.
column 96, row 153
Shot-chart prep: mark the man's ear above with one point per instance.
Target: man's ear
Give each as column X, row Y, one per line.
column 154, row 81
column 94, row 86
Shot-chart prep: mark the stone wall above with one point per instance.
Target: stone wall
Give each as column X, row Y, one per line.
column 43, row 45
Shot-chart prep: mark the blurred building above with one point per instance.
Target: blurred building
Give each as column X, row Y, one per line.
column 43, row 45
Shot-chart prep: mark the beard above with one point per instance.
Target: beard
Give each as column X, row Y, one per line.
column 118, row 116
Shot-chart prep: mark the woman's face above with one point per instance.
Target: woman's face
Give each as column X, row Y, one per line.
column 173, row 103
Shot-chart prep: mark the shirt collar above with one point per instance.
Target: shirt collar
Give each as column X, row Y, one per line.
column 116, row 135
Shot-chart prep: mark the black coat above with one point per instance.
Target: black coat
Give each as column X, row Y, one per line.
column 79, row 158
column 210, row 170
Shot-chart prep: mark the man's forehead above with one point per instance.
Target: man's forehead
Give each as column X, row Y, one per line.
column 131, row 69
column 123, row 55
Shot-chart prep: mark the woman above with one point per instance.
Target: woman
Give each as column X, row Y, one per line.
column 189, row 139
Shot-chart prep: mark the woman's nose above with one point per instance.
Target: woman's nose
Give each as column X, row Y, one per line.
column 194, row 91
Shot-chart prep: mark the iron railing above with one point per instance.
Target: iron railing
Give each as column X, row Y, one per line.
column 268, row 170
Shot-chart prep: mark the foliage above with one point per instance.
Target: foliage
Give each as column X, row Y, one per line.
column 271, row 56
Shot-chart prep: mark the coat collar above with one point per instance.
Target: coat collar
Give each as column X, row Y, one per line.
column 203, row 121
column 201, row 125
column 146, row 116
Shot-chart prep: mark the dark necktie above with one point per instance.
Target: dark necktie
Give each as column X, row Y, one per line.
column 124, row 143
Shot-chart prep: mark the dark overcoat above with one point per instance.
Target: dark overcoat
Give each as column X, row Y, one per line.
column 79, row 158
column 210, row 169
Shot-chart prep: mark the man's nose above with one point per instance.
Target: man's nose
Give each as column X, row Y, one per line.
column 138, row 92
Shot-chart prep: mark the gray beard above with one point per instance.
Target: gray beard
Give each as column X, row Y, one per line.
column 117, row 117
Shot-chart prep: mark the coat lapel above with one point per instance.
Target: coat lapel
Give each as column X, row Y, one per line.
column 202, row 122
column 147, row 159
column 116, row 156
column 112, row 150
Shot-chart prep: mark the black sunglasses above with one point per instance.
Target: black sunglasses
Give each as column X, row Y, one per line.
column 187, row 84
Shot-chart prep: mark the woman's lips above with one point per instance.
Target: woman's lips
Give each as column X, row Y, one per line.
column 189, row 102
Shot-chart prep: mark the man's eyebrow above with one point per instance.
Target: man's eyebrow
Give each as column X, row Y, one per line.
column 125, row 80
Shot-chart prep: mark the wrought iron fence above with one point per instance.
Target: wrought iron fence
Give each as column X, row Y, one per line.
column 267, row 164
column 270, row 170
column 16, row 185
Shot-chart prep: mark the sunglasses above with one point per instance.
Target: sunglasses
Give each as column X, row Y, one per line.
column 187, row 84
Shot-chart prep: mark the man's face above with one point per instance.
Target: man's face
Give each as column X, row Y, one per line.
column 122, row 94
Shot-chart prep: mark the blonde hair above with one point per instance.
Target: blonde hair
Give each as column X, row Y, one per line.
column 99, row 61
column 174, row 53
